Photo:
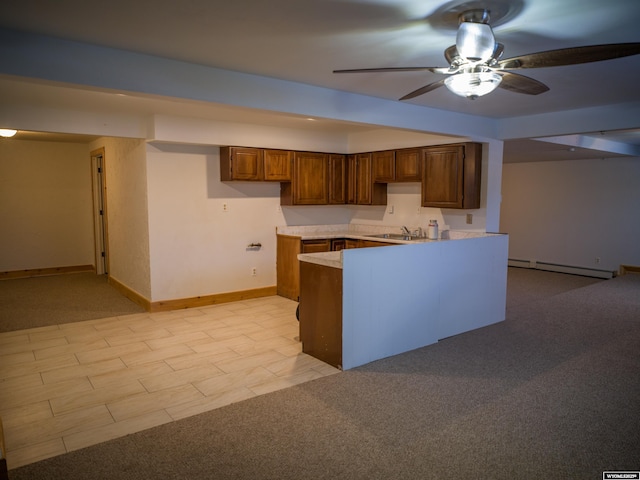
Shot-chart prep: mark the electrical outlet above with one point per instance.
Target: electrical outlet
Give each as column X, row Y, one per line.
column 419, row 210
column 390, row 209
column 597, row 259
column 469, row 218
column 225, row 207
column 254, row 271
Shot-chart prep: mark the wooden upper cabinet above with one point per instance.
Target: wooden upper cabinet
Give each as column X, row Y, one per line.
column 360, row 187
column 310, row 184
column 351, row 180
column 337, row 179
column 408, row 165
column 384, row 166
column 472, row 175
column 239, row 163
column 451, row 176
column 364, row 182
column 397, row 166
column 255, row 164
column 278, row 165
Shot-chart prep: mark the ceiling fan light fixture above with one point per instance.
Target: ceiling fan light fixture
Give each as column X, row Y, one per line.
column 473, row 84
column 475, row 41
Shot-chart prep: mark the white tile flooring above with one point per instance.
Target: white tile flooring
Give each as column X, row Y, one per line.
column 65, row 387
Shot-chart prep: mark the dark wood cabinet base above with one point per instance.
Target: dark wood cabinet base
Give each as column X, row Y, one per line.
column 321, row 312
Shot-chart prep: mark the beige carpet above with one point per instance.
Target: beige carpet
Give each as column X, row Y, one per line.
column 52, row 300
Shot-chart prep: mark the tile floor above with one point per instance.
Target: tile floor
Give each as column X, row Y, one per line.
column 69, row 386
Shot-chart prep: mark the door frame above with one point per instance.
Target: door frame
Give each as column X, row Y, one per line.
column 100, row 224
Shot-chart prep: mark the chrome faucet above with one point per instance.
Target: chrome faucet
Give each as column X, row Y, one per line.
column 406, row 231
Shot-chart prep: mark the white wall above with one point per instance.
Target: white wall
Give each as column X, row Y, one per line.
column 572, row 212
column 127, row 212
column 403, row 208
column 198, row 248
column 197, row 131
column 46, row 209
column 401, row 298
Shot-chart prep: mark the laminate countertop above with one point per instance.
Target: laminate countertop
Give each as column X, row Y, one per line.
column 362, row 232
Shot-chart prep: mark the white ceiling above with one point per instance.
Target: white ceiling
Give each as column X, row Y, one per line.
column 304, row 40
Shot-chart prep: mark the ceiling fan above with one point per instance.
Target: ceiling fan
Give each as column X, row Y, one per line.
column 476, row 68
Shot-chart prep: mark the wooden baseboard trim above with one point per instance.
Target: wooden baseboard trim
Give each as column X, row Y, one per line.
column 132, row 295
column 206, row 300
column 43, row 272
column 624, row 269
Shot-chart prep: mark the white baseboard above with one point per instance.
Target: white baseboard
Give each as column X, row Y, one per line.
column 551, row 267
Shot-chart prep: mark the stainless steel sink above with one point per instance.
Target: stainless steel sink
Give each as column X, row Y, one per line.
column 395, row 236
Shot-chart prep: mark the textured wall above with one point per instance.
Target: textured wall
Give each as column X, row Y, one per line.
column 127, row 212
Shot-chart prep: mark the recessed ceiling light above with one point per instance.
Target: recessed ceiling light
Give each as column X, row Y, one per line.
column 7, row 132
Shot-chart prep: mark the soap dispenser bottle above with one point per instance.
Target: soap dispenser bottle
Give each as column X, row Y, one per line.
column 432, row 230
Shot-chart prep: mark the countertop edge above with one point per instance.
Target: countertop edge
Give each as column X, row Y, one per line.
column 327, row 259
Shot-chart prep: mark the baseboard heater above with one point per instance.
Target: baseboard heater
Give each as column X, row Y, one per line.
column 552, row 267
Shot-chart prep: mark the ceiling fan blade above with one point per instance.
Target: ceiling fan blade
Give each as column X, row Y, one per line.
column 571, row 56
column 389, row 69
column 521, row 84
column 423, row 90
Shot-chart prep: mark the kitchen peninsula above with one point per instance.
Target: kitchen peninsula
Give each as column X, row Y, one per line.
column 364, row 304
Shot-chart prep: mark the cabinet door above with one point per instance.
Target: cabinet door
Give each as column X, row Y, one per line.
column 442, row 176
column 338, row 244
column 472, row 175
column 373, row 243
column 351, row 180
column 350, row 243
column 287, row 266
column 239, row 163
column 321, row 312
column 364, row 183
column 408, row 165
column 315, row 246
column 277, row 165
column 310, row 185
column 361, row 189
column 337, row 179
column 384, row 166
